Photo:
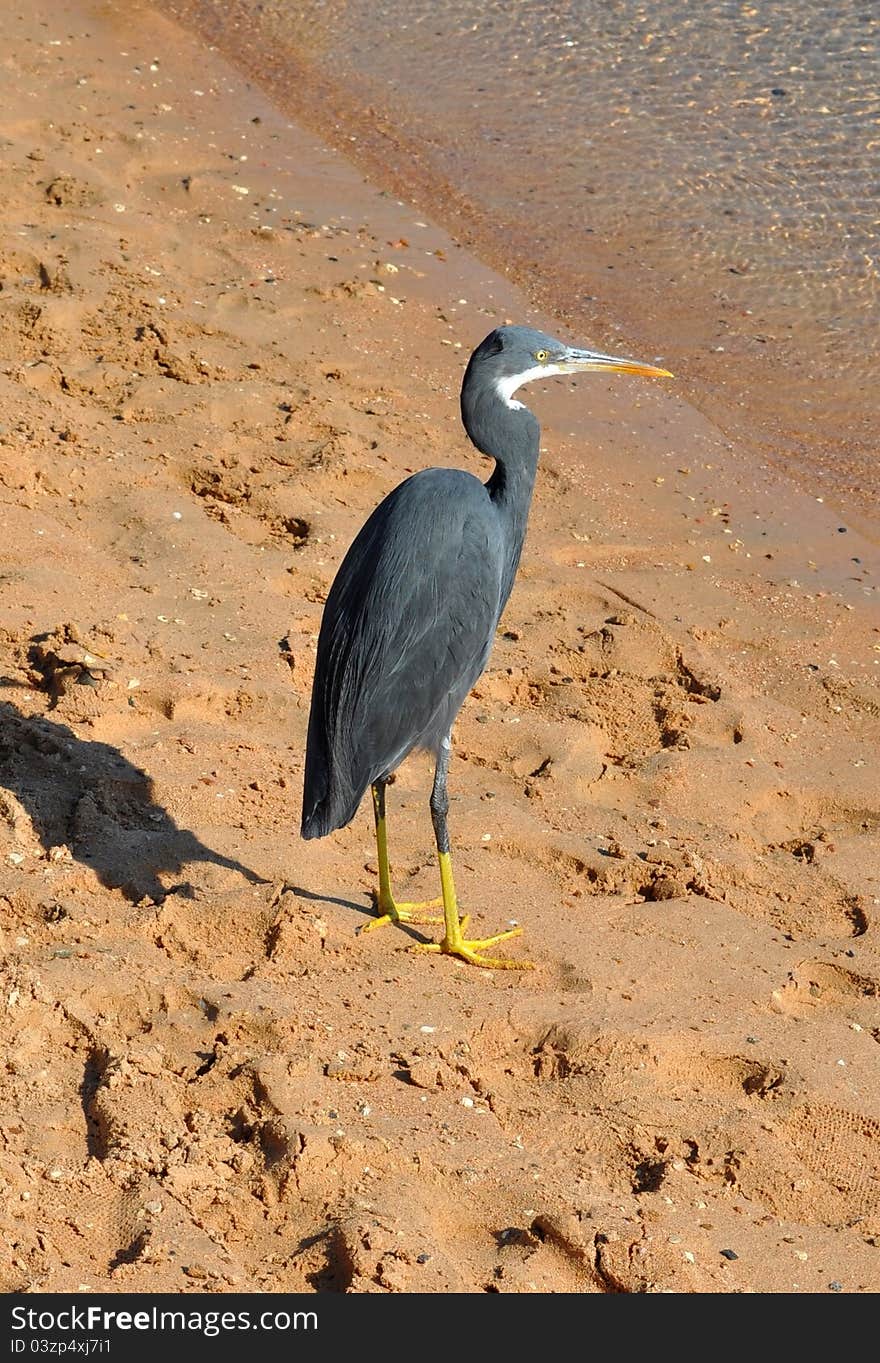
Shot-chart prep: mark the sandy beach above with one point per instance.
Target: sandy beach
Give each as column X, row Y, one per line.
column 219, row 348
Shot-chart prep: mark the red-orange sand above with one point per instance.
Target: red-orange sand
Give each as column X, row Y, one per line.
column 220, row 348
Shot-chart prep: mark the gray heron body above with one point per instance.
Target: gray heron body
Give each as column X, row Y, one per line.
column 411, row 617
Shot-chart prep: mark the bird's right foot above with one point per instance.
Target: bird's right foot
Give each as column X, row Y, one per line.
column 388, row 912
column 470, row 949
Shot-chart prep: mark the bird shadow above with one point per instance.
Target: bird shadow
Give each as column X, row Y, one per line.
column 366, row 911
column 86, row 796
column 302, row 893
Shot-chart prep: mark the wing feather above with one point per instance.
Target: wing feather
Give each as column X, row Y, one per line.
column 407, row 629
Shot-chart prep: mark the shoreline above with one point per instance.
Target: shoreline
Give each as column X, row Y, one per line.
column 667, row 773
column 822, row 440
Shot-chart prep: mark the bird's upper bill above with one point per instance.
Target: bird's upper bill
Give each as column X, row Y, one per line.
column 572, row 361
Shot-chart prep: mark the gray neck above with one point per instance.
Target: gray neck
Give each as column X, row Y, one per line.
column 510, row 436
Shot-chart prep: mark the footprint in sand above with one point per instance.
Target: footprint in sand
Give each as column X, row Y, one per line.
column 815, row 984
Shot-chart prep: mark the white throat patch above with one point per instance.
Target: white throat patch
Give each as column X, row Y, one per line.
column 505, row 388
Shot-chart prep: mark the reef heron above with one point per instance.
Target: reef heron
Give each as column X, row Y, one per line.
column 411, row 617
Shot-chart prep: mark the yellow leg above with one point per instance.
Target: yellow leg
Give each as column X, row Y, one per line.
column 388, row 911
column 454, row 941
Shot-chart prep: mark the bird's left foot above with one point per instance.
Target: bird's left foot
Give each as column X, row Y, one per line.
column 468, row 949
column 404, row 913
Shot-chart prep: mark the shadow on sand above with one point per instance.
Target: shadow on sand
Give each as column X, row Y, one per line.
column 89, row 797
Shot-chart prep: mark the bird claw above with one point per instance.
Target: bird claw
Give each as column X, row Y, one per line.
column 405, row 913
column 468, row 950
column 391, row 913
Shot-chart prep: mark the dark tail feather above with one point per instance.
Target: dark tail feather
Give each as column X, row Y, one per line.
column 316, row 820
column 316, row 824
column 330, row 796
column 326, row 806
column 326, row 815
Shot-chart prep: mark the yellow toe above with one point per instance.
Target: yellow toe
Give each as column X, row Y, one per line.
column 404, row 913
column 469, row 950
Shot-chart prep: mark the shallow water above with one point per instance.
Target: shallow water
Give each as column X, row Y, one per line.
column 698, row 180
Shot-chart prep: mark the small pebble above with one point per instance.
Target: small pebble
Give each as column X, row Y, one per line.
column 729, row 1254
column 835, row 1286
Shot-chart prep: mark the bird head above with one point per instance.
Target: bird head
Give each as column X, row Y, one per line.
column 513, row 355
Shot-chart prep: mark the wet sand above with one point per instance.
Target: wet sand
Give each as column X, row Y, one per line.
column 220, row 348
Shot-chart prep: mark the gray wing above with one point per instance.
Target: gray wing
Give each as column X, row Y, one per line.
column 407, row 629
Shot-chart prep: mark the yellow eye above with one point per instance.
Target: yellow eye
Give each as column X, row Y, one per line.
column 541, row 356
